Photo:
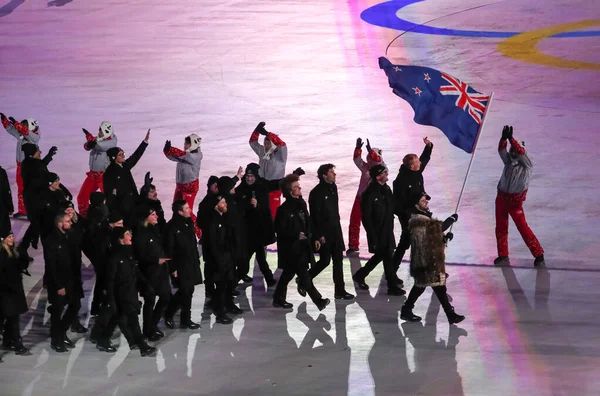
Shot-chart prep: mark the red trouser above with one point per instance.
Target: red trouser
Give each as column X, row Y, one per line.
column 512, row 204
column 92, row 183
column 274, row 201
column 188, row 193
column 20, row 202
column 354, row 229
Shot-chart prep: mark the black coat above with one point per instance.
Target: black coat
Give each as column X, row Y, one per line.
column 123, row 277
column 236, row 218
column 205, row 211
column 48, row 205
column 377, row 208
column 409, row 183
column 33, row 173
column 259, row 221
column 95, row 222
column 181, row 247
column 58, row 271
column 12, row 295
column 291, row 219
column 148, row 249
column 6, row 203
column 325, row 214
column 75, row 242
column 119, row 184
column 219, row 247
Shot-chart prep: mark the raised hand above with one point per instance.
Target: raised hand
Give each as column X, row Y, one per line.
column 147, row 138
column 427, row 141
column 369, row 146
column 167, row 146
column 359, row 143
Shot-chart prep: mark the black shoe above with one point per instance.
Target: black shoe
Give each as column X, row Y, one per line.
column 223, row 319
column 539, row 261
column 168, row 319
column 396, row 291
column 189, row 325
column 408, row 315
column 20, row 215
column 352, row 252
column 282, row 304
column 93, row 340
column 453, row 317
column 301, row 290
column 235, row 293
column 343, row 295
column 399, row 282
column 246, row 279
column 133, row 347
column 67, row 342
column 152, row 337
column 105, row 346
column 77, row 327
column 58, row 347
column 158, row 332
column 145, row 349
column 360, row 282
column 95, row 311
column 20, row 349
column 271, row 282
column 234, row 310
column 502, row 260
column 323, row 303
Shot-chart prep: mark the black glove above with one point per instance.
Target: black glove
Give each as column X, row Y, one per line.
column 91, row 144
column 85, row 131
column 12, row 120
column 299, row 171
column 53, row 151
column 507, row 132
column 2, row 116
column 455, row 217
column 369, row 146
column 148, row 179
column 260, row 128
column 359, row 143
column 167, row 146
column 448, row 237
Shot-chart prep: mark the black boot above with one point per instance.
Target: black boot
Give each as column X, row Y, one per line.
column 223, row 319
column 58, row 346
column 105, row 346
column 145, row 349
column 539, row 261
column 323, row 303
column 360, row 281
column 407, row 314
column 234, row 309
column 271, row 282
column 246, row 279
column 453, row 317
column 19, row 348
column 67, row 342
column 343, row 295
column 281, row 303
column 301, row 290
column 502, row 260
column 395, row 291
column 188, row 324
column 168, row 319
column 77, row 327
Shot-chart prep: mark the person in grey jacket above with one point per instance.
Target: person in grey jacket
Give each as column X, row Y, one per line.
column 187, row 171
column 272, row 158
column 512, row 192
column 97, row 146
column 26, row 131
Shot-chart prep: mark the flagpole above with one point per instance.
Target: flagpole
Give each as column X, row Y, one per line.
column 473, row 154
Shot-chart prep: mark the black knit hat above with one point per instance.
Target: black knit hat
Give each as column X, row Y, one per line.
column 143, row 211
column 212, row 180
column 214, row 200
column 114, row 217
column 29, row 149
column 4, row 233
column 113, row 152
column 51, row 177
column 97, row 198
column 415, row 198
column 225, row 184
column 376, row 170
column 65, row 205
column 252, row 168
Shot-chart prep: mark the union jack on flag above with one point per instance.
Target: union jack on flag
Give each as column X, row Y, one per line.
column 439, row 100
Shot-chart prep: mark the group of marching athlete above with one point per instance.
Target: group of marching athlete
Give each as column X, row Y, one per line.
column 135, row 252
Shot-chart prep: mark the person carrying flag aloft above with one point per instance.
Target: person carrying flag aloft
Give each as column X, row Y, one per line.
column 97, row 146
column 272, row 158
column 374, row 157
column 26, row 131
column 187, row 171
column 512, row 192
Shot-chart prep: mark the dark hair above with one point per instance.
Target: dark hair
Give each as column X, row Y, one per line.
column 60, row 218
column 323, row 169
column 188, row 140
column 408, row 159
column 286, row 184
column 118, row 233
column 178, row 205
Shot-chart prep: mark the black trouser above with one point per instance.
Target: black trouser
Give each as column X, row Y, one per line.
column 153, row 310
column 326, row 254
column 222, row 298
column 209, row 283
column 130, row 327
column 440, row 292
column 404, row 243
column 11, row 330
column 100, row 284
column 261, row 258
column 181, row 299
column 59, row 321
column 300, row 269
column 385, row 255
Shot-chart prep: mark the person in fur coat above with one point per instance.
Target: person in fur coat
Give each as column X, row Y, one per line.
column 427, row 258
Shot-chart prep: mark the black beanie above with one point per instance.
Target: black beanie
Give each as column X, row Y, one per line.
column 143, row 211
column 4, row 233
column 97, row 198
column 415, row 198
column 113, row 152
column 212, row 180
column 214, row 199
column 29, row 149
column 252, row 168
column 51, row 177
column 225, row 184
column 114, row 217
column 65, row 205
column 376, row 170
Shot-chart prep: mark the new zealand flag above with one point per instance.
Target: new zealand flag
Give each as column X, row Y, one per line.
column 440, row 100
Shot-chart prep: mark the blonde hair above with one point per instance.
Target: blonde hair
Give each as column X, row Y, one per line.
column 11, row 251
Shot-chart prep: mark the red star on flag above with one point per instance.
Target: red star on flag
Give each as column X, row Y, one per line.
column 427, row 78
column 417, row 91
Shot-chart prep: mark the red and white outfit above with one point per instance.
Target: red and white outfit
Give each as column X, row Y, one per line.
column 99, row 161
column 23, row 134
column 187, row 173
column 512, row 192
column 272, row 163
column 373, row 158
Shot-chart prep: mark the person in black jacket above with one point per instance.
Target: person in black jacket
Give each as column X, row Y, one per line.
column 253, row 195
column 149, row 252
column 119, row 185
column 408, row 184
column 205, row 213
column 181, row 247
column 123, row 276
column 219, row 243
column 59, row 282
column 325, row 215
column 149, row 196
column 377, row 207
column 13, row 261
column 294, row 240
column 6, row 203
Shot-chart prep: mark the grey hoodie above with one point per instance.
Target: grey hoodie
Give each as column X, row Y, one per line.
column 22, row 139
column 98, row 159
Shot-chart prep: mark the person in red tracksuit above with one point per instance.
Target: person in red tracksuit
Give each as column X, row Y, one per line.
column 512, row 192
column 373, row 158
column 97, row 146
column 26, row 131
